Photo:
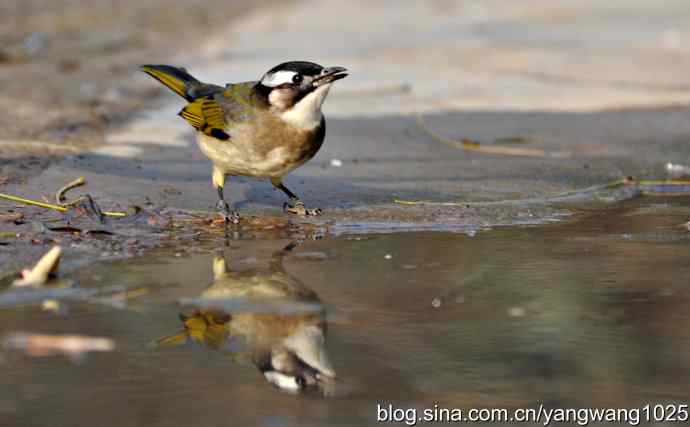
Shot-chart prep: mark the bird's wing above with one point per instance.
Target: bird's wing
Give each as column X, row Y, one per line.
column 207, row 116
column 216, row 113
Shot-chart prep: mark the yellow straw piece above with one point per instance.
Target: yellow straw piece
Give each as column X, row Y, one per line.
column 470, row 145
column 49, row 205
column 647, row 187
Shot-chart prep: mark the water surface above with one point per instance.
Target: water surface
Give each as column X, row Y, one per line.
column 591, row 313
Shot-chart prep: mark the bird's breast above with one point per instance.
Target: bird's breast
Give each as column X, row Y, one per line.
column 265, row 147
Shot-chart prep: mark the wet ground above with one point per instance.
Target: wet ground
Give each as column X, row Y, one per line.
column 586, row 313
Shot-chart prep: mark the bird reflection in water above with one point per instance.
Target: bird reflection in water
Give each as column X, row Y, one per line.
column 266, row 316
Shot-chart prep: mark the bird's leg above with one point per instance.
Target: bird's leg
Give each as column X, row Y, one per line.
column 219, row 182
column 296, row 206
column 230, row 216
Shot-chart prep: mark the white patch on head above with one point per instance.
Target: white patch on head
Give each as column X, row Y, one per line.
column 282, row 381
column 306, row 114
column 278, row 78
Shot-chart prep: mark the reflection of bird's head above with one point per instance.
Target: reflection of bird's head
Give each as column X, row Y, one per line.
column 298, row 361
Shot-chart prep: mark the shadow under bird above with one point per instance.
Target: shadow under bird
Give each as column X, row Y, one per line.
column 262, row 129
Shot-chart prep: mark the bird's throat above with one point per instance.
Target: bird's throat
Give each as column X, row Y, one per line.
column 306, row 114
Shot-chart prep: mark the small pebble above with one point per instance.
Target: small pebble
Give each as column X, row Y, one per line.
column 436, row 302
column 516, row 311
column 336, row 163
column 388, row 256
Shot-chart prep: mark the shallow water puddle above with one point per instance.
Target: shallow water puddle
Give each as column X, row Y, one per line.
column 590, row 314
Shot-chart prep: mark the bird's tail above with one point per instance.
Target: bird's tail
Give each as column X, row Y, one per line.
column 176, row 79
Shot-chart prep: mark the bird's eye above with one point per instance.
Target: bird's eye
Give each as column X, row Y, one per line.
column 297, row 79
column 301, row 382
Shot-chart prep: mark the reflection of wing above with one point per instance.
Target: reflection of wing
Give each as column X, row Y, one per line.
column 201, row 327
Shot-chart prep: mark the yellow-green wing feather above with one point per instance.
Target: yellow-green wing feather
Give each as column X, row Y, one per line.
column 215, row 113
column 206, row 115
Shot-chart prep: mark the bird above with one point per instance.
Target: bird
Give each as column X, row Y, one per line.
column 264, row 128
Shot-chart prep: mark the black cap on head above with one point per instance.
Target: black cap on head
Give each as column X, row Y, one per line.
column 303, row 67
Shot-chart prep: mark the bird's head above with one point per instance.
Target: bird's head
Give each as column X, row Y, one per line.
column 296, row 90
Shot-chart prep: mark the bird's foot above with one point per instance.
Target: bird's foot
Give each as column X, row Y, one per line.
column 232, row 217
column 298, row 208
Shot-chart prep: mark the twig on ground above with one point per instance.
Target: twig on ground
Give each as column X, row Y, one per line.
column 32, row 202
column 471, row 145
column 646, row 187
column 61, row 205
column 60, row 195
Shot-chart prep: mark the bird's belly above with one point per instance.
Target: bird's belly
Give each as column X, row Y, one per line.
column 258, row 155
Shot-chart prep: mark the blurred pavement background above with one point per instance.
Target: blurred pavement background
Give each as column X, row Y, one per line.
column 599, row 89
column 469, row 55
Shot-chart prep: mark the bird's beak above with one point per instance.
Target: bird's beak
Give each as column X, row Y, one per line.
column 329, row 75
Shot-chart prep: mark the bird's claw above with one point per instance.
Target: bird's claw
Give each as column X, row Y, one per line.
column 298, row 208
column 232, row 217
